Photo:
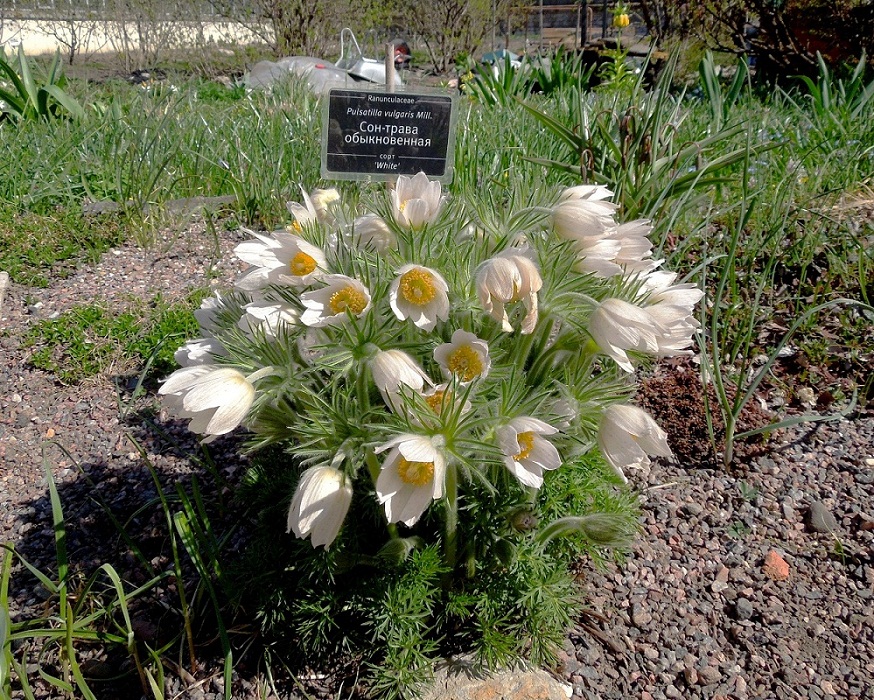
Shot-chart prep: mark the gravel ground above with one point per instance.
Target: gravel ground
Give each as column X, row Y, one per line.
column 751, row 583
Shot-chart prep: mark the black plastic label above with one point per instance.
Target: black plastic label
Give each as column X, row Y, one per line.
column 382, row 135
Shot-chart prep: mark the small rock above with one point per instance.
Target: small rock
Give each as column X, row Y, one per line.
column 806, row 396
column 693, row 509
column 827, row 687
column 720, row 583
column 775, row 566
column 640, row 615
column 708, row 675
column 743, row 609
column 820, row 518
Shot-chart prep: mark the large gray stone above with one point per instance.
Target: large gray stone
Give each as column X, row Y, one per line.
column 461, row 680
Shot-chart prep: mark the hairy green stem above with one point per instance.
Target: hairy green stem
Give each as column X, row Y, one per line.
column 450, row 544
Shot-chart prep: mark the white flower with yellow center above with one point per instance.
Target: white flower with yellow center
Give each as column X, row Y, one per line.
column 200, row 351
column 617, row 326
column 466, row 357
column 415, row 201
column 627, row 435
column 527, row 453
column 421, row 295
column 340, row 298
column 215, row 398
column 509, row 277
column 284, row 259
column 444, row 398
column 319, row 505
column 268, row 318
column 372, row 232
column 412, row 476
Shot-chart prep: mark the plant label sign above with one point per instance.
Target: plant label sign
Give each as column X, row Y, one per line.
column 379, row 135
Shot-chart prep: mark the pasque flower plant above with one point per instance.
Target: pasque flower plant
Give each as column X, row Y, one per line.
column 431, row 373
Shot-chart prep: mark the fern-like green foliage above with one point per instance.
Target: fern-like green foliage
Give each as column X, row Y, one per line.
column 399, row 610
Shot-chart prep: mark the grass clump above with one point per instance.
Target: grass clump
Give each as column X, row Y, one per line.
column 88, row 340
column 36, row 247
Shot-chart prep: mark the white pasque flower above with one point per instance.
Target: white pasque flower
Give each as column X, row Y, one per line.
column 526, row 453
column 371, row 231
column 200, row 351
column 394, row 369
column 635, row 248
column 333, row 304
column 596, row 255
column 268, row 318
column 627, row 435
column 466, row 357
column 444, row 397
column 322, row 200
column 319, row 505
column 283, row 259
column 672, row 307
column 412, row 476
column 420, row 294
column 315, row 207
column 617, row 326
column 214, row 397
column 508, row 277
column 415, row 201
column 207, row 314
column 576, row 217
column 591, row 193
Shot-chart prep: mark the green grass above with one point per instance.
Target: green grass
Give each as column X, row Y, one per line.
column 37, row 247
column 89, row 340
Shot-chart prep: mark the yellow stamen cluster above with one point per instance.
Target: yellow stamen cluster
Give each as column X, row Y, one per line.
column 416, row 473
column 302, row 264
column 465, row 363
column 295, row 226
column 417, row 287
column 526, row 443
column 347, row 299
column 435, row 401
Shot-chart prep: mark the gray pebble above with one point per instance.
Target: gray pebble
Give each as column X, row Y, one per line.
column 743, row 609
column 820, row 518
